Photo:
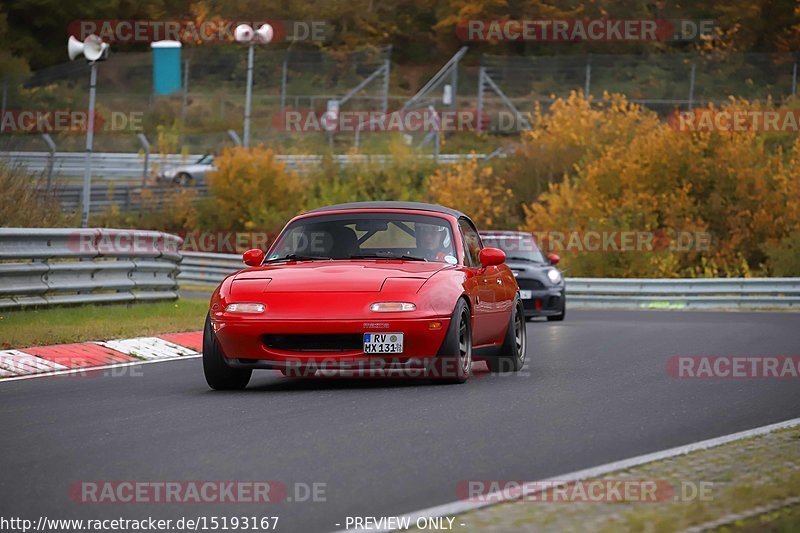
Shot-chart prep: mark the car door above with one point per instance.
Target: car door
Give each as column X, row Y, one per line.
column 480, row 287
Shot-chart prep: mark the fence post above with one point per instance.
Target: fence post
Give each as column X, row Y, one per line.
column 588, row 85
column 386, row 70
column 146, row 146
column 454, row 85
column 185, row 102
column 283, row 81
column 691, row 86
column 5, row 101
column 50, row 159
column 481, row 74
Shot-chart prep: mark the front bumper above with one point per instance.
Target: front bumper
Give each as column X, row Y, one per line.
column 544, row 302
column 244, row 345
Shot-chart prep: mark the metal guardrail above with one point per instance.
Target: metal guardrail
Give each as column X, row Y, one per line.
column 685, row 293
column 126, row 196
column 127, row 166
column 210, row 268
column 58, row 266
column 42, row 266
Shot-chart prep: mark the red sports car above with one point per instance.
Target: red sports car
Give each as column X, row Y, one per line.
column 367, row 288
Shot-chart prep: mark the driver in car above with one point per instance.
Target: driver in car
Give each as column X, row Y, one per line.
column 433, row 242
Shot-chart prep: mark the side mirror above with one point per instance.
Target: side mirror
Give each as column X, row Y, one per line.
column 492, row 256
column 253, row 257
column 554, row 259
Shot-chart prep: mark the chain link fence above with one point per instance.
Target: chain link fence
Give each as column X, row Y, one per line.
column 199, row 117
column 663, row 82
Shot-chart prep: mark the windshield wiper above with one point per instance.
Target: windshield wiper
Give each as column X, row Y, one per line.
column 297, row 257
column 378, row 256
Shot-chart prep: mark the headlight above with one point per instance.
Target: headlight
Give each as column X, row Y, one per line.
column 554, row 276
column 392, row 307
column 245, row 308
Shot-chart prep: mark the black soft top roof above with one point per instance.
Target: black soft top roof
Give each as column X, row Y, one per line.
column 419, row 206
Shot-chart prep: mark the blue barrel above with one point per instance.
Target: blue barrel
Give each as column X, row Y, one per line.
column 166, row 67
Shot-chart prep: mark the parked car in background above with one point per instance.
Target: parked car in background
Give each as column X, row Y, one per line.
column 188, row 174
column 541, row 285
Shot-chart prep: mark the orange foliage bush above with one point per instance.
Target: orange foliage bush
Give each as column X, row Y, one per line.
column 741, row 187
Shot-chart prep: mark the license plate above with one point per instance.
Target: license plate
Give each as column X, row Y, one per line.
column 378, row 343
column 525, row 295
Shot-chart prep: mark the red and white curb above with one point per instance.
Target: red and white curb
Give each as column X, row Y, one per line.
column 41, row 361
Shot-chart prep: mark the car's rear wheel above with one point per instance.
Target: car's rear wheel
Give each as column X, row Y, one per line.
column 219, row 375
column 512, row 354
column 183, row 179
column 454, row 363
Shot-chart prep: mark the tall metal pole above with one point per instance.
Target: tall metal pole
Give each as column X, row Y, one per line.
column 283, row 81
column 5, row 98
column 386, row 69
column 588, row 85
column 691, row 87
column 454, row 85
column 185, row 102
column 248, row 96
column 794, row 79
column 87, row 173
column 481, row 73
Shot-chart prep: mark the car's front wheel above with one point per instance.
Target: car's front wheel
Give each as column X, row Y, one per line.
column 512, row 354
column 219, row 375
column 454, row 363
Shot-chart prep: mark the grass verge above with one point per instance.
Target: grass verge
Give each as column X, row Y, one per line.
column 40, row 327
column 743, row 477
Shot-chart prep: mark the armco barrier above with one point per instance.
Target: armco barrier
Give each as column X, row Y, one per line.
column 51, row 266
column 208, row 268
column 685, row 293
column 42, row 266
column 127, row 166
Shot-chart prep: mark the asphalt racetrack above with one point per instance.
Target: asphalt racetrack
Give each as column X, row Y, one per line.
column 595, row 389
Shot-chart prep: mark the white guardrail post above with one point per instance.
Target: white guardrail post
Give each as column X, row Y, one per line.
column 43, row 266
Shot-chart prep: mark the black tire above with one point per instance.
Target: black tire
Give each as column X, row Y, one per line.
column 454, row 362
column 559, row 317
column 512, row 354
column 183, row 179
column 219, row 375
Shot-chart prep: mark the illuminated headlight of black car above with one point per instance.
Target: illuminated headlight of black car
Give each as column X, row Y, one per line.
column 554, row 276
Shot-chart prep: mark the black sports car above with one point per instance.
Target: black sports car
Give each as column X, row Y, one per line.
column 541, row 285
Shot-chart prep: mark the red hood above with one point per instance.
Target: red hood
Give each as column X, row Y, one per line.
column 339, row 276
